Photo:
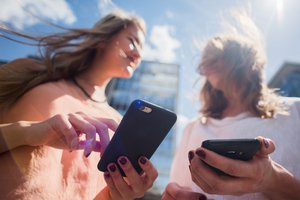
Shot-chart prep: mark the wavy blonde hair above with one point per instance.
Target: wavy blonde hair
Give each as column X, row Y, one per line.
column 241, row 63
column 63, row 55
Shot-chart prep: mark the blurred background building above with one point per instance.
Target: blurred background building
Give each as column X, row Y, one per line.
column 287, row 80
column 157, row 83
column 2, row 62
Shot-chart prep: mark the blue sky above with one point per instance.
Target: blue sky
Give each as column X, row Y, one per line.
column 175, row 30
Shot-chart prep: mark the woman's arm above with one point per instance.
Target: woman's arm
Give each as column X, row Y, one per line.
column 12, row 135
column 60, row 131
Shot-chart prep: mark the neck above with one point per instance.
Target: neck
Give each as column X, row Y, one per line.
column 94, row 84
column 95, row 79
column 233, row 108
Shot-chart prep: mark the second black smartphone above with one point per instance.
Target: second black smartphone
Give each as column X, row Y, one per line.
column 240, row 149
column 142, row 129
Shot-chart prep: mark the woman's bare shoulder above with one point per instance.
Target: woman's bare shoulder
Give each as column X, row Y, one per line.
column 43, row 93
column 36, row 103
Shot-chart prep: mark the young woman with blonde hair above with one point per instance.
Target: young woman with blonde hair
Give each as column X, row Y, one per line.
column 70, row 77
column 236, row 103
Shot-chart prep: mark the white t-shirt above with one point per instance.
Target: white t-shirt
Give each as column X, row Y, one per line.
column 284, row 130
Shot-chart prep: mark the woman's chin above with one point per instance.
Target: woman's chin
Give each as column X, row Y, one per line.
column 128, row 72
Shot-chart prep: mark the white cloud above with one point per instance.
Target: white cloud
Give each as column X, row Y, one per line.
column 106, row 6
column 169, row 14
column 163, row 45
column 26, row 13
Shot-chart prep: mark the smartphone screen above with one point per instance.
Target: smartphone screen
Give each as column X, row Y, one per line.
column 142, row 129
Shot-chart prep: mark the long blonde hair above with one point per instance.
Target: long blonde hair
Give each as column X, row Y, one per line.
column 241, row 64
column 64, row 55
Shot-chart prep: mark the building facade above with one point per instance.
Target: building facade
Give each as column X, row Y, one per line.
column 157, row 83
column 287, row 80
column 2, row 62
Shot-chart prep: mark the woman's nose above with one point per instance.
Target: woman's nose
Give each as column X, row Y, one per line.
column 136, row 54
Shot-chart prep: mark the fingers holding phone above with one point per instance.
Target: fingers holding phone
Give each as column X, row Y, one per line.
column 231, row 167
column 141, row 131
column 240, row 176
column 127, row 169
column 134, row 185
column 208, row 179
column 267, row 146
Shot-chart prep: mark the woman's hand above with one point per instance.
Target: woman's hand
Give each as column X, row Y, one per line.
column 132, row 186
column 72, row 132
column 251, row 176
column 174, row 191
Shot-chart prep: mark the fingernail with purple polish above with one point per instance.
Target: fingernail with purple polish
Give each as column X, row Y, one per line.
column 88, row 154
column 201, row 153
column 87, row 151
column 143, row 160
column 123, row 160
column 266, row 143
column 202, row 197
column 191, row 155
column 112, row 168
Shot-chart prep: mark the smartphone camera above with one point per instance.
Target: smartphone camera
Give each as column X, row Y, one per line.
column 139, row 105
column 145, row 109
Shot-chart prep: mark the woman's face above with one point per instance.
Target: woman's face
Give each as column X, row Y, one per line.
column 213, row 75
column 214, row 80
column 122, row 55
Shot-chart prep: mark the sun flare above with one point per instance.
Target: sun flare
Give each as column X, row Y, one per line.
column 279, row 8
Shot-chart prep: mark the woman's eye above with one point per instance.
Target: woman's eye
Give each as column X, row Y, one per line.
column 131, row 40
column 132, row 43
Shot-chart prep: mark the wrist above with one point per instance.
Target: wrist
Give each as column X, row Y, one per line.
column 283, row 185
column 14, row 135
column 24, row 130
column 36, row 133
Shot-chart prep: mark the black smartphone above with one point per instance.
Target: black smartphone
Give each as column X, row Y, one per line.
column 240, row 149
column 141, row 130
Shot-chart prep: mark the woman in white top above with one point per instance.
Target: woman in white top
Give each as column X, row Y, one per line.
column 238, row 104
